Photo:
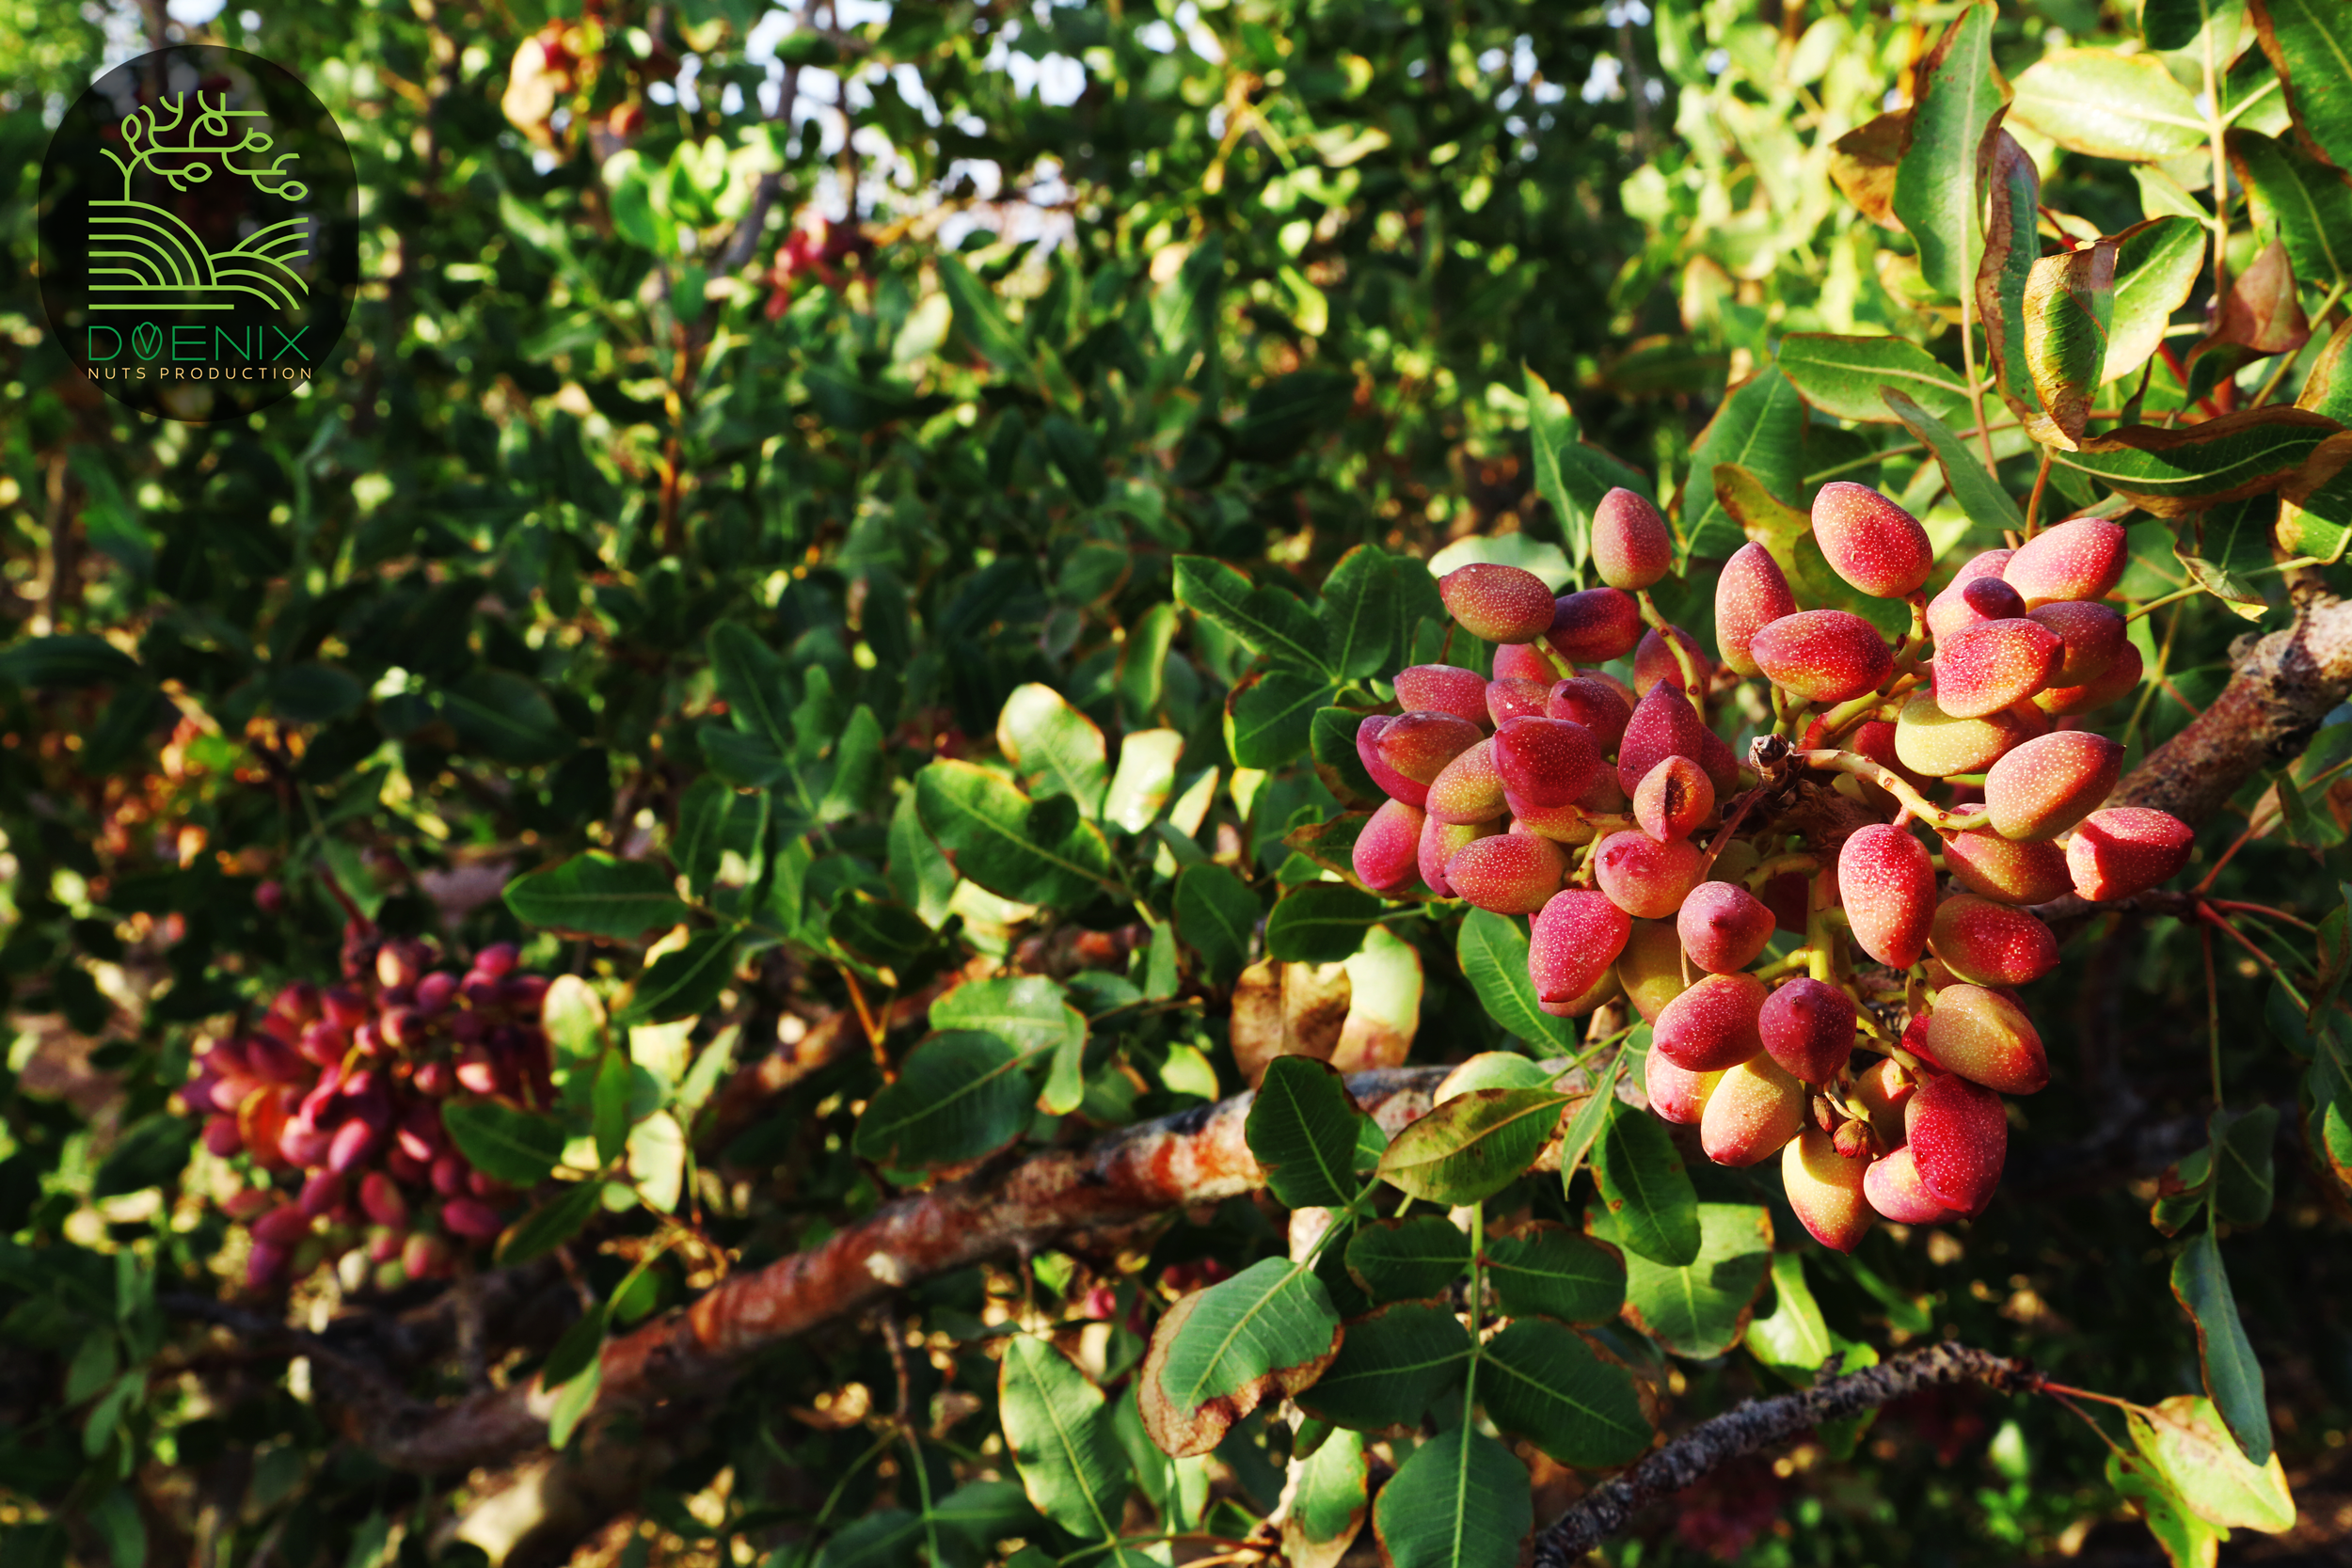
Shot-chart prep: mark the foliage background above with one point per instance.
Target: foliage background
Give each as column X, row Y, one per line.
column 1259, row 281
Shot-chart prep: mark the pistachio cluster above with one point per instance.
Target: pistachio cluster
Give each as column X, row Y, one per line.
column 1658, row 867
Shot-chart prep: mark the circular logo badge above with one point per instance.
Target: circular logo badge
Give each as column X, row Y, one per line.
column 200, row 240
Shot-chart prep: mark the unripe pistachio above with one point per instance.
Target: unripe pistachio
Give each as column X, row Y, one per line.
column 2080, row 558
column 1751, row 593
column 1501, row 604
column 1713, row 1025
column 1870, row 541
column 2003, row 870
column 1664, row 724
column 1443, row 689
column 1982, row 1036
column 1595, row 626
column 2126, row 849
column 2049, row 784
column 1575, row 939
column 1673, row 798
column 1988, row 943
column 1387, row 851
column 1654, row 659
column 1807, row 1026
column 1546, row 762
column 1439, row 842
column 1419, row 745
column 1507, row 873
column 1644, row 877
column 1650, row 968
column 1824, row 655
column 1591, row 702
column 2114, row 681
column 1530, row 662
column 1515, row 699
column 1561, row 824
column 1722, row 926
column 1469, row 788
column 2092, row 637
column 1677, row 1093
column 1935, row 744
column 1972, row 602
column 1887, row 885
column 1755, row 1109
column 1392, row 783
column 1957, row 1134
column 1824, row 1187
column 1894, row 1189
column 1981, row 670
column 1720, row 763
column 1631, row 548
column 1607, row 988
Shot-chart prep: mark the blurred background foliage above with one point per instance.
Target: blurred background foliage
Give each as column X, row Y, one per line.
column 919, row 340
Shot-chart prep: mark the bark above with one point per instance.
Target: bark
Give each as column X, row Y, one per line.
column 1198, row 1156
column 1758, row 1423
column 2280, row 691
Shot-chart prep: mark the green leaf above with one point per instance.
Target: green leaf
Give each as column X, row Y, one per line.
column 2109, row 106
column 2242, row 1168
column 1390, row 1367
column 595, row 896
column 1700, row 1308
column 514, row 1147
column 1270, row 718
column 2070, row 301
column 755, row 684
column 504, row 716
column 1031, row 1014
column 610, row 1105
column 1760, row 427
column 1647, row 1191
column 1328, row 1509
column 684, row 982
column 1358, row 612
column 879, row 930
column 1550, row 1271
column 1571, row 475
column 2187, row 1443
column 1592, row 1113
column 1268, row 619
column 1303, row 1129
column 1330, row 845
column 2304, row 202
column 550, row 1225
column 1145, row 779
column 2187, row 1541
column 2172, row 472
column 2310, row 41
column 574, row 1372
column 1285, row 412
column 1031, row 852
column 1408, row 1259
column 1795, row 1340
column 1841, row 376
column 918, row 873
column 1059, row 1434
column 1216, row 915
column 1472, row 1145
column 2234, row 1379
column 857, row 765
column 1939, row 196
column 151, row 1152
column 1270, row 1329
column 1321, row 922
column 2176, row 23
column 701, row 841
column 1460, row 1501
column 959, row 1096
column 2157, row 263
column 65, row 661
column 1331, row 737
column 1540, row 1380
column 1492, row 949
column 1057, row 750
column 2012, row 244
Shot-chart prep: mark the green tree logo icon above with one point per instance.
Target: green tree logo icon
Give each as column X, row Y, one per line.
column 144, row 255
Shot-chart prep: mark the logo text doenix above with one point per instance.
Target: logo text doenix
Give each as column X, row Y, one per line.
column 262, row 352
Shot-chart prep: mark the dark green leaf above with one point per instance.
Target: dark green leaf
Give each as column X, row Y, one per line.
column 1270, row 1329
column 1760, row 427
column 1472, row 1145
column 1270, row 719
column 2234, row 1379
column 1303, row 1130
column 1332, row 738
column 1031, row 1014
column 2310, row 41
column 959, row 1096
column 1540, row 1380
column 1268, row 619
column 550, row 1225
column 1321, row 922
column 1841, row 376
column 2012, row 243
column 595, row 896
column 1648, row 1193
column 1216, row 917
column 1460, row 1501
column 2306, row 203
column 1939, row 192
column 1408, row 1259
column 1358, row 612
column 1977, row 491
column 1015, row 848
column 1552, row 1272
column 515, row 1147
column 1492, row 949
column 2174, row 471
column 1701, row 1309
column 755, row 684
column 151, row 1152
column 2242, row 1168
column 65, row 661
column 1390, row 1367
column 1059, row 1436
column 685, row 981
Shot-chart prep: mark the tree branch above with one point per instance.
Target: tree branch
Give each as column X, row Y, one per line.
column 1198, row 1156
column 1758, row 1424
column 2281, row 689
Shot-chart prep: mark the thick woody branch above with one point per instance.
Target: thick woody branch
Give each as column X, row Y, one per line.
column 1760, row 1423
column 1198, row 1156
column 2282, row 687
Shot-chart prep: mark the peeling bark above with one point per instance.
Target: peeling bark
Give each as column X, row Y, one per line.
column 1758, row 1423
